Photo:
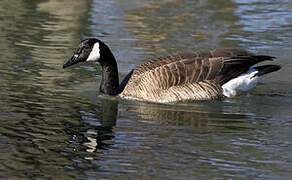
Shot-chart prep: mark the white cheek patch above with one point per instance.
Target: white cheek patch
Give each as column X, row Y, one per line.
column 95, row 53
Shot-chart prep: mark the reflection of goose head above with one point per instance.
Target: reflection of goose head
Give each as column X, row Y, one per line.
column 182, row 77
column 97, row 135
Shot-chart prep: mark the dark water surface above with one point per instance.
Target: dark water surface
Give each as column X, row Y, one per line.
column 55, row 125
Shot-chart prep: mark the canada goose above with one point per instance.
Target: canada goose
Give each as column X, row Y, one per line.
column 188, row 76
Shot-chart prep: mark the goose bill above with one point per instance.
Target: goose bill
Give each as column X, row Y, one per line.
column 73, row 60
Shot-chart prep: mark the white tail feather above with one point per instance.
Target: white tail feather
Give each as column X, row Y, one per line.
column 242, row 83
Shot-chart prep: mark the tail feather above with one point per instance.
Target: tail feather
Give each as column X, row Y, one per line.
column 236, row 65
column 265, row 69
column 264, row 58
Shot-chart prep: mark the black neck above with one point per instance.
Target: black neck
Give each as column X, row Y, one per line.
column 110, row 78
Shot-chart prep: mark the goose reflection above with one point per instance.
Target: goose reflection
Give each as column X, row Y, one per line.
column 196, row 114
column 99, row 135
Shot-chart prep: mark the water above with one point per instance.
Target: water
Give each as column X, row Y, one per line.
column 55, row 125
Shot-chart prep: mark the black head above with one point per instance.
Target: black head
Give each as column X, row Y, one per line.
column 91, row 49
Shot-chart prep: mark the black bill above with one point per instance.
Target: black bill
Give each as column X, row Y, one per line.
column 73, row 60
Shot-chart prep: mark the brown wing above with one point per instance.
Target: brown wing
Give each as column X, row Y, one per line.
column 168, row 76
column 154, row 63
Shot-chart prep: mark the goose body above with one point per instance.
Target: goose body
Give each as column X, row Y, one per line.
column 198, row 75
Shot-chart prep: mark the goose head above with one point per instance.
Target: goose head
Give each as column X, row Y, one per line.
column 91, row 49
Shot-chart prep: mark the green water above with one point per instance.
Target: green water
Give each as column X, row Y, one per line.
column 55, row 125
